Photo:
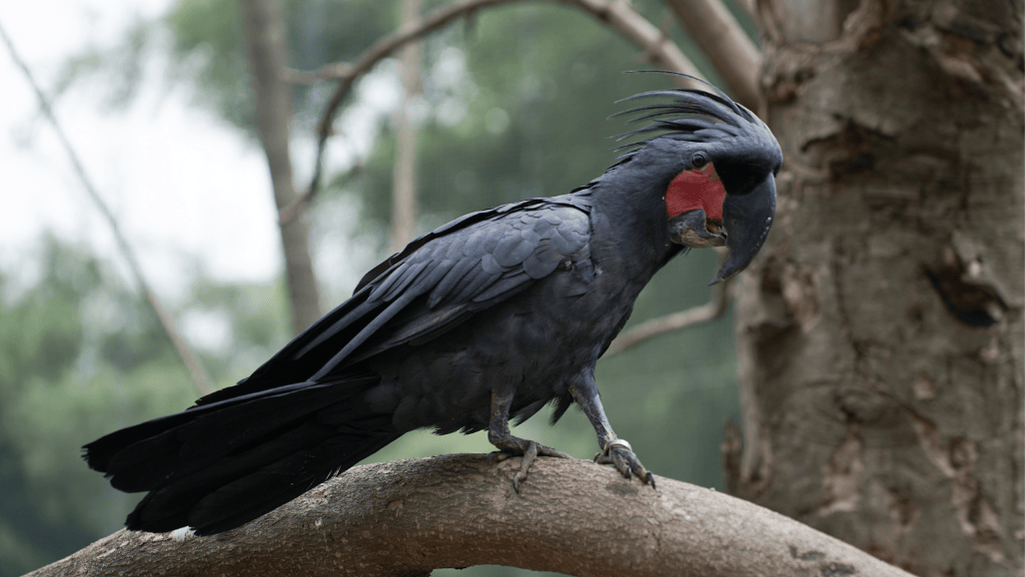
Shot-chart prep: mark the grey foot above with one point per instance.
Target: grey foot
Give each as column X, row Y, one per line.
column 514, row 446
column 619, row 454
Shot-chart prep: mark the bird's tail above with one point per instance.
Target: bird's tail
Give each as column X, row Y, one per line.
column 216, row 466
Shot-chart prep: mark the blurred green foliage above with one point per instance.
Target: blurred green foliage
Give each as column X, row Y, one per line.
column 81, row 354
column 516, row 104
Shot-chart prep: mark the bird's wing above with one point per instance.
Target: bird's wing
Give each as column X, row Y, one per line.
column 437, row 282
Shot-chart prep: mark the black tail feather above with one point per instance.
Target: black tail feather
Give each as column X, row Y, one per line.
column 215, row 467
column 233, row 504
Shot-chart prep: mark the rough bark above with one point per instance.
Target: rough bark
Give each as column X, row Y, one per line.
column 266, row 51
column 880, row 334
column 409, row 517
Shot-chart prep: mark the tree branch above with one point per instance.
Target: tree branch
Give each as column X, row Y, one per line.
column 721, row 38
column 617, row 14
column 698, row 315
column 410, row 517
column 749, row 6
column 192, row 364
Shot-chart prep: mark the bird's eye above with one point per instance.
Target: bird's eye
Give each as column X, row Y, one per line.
column 698, row 160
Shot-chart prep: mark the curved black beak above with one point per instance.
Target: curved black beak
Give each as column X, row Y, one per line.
column 747, row 219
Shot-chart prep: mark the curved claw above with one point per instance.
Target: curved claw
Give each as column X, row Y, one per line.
column 619, row 454
column 498, row 456
column 530, row 450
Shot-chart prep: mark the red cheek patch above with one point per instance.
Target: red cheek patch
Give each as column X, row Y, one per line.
column 693, row 189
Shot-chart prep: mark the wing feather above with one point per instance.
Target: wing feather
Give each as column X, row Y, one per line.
column 397, row 282
column 452, row 277
column 439, row 281
column 502, row 287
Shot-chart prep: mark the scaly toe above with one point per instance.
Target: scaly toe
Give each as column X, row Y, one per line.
column 498, row 456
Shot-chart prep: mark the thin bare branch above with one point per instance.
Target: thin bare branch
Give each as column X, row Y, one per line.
column 332, row 71
column 290, row 212
column 192, row 364
column 721, row 38
column 617, row 14
column 713, row 309
column 348, row 74
column 410, row 517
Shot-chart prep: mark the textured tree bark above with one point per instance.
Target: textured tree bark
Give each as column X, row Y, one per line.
column 408, row 517
column 266, row 49
column 881, row 334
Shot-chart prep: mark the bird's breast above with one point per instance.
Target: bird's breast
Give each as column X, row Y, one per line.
column 534, row 343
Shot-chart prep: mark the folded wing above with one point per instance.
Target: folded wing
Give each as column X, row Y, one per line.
column 439, row 281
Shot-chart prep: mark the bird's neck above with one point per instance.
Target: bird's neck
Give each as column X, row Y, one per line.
column 630, row 231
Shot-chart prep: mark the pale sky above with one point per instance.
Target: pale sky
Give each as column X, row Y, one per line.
column 182, row 183
column 179, row 181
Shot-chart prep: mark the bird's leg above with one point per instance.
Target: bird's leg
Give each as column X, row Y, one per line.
column 615, row 451
column 508, row 445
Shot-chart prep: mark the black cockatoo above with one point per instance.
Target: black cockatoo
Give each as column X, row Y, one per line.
column 486, row 319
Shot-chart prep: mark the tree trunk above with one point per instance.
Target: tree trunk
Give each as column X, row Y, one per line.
column 880, row 334
column 404, row 190
column 266, row 49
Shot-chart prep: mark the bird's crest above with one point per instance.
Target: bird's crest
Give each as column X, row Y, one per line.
column 686, row 114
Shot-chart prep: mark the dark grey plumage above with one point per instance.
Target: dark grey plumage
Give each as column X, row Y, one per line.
column 483, row 320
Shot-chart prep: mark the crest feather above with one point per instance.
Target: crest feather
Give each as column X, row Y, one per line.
column 686, row 114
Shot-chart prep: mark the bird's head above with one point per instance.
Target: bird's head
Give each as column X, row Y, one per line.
column 720, row 163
